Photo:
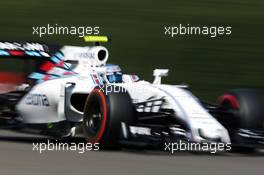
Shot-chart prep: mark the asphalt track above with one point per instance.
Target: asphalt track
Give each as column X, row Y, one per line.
column 17, row 157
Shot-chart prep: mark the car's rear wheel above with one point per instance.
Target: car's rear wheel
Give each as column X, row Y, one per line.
column 103, row 115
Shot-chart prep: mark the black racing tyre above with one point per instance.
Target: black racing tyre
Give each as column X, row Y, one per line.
column 247, row 106
column 103, row 113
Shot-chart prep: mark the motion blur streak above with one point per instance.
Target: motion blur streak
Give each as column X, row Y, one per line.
column 17, row 157
column 209, row 65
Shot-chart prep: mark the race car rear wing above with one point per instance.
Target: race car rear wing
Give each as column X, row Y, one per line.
column 19, row 59
column 27, row 49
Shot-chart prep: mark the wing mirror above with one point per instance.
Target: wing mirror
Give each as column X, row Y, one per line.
column 158, row 73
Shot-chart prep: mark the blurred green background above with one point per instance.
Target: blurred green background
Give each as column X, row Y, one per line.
column 208, row 65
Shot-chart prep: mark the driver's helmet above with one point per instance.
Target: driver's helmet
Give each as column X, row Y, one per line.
column 113, row 73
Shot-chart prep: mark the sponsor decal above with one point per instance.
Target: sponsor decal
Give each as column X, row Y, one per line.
column 140, row 130
column 85, row 55
column 37, row 100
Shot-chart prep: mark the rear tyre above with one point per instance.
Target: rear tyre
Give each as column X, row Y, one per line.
column 103, row 114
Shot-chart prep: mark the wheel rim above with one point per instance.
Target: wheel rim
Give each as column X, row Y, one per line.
column 93, row 120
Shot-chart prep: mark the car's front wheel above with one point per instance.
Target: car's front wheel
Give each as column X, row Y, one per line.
column 245, row 111
column 103, row 115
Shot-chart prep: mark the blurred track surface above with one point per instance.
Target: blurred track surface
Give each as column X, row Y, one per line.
column 17, row 157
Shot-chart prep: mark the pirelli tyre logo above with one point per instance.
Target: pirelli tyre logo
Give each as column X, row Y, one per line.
column 37, row 100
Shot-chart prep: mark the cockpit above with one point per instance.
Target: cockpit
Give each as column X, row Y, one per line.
column 115, row 77
column 113, row 73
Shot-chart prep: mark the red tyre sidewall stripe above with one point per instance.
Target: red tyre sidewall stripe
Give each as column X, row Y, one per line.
column 103, row 126
column 230, row 98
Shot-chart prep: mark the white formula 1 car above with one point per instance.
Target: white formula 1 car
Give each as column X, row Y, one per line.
column 75, row 92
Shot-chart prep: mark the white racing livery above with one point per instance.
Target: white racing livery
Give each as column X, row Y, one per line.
column 78, row 93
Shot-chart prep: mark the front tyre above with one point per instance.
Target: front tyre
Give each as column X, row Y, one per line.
column 247, row 112
column 247, row 107
column 103, row 114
